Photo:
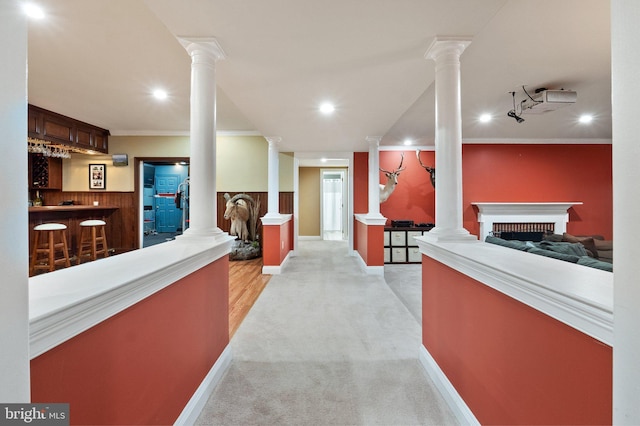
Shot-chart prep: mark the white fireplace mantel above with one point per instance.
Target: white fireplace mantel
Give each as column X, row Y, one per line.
column 554, row 212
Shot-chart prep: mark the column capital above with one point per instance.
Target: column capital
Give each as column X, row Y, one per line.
column 208, row 45
column 451, row 44
column 273, row 140
column 373, row 140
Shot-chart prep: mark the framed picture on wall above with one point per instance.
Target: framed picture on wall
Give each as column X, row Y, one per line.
column 97, row 176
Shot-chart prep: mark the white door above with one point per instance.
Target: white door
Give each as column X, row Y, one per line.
column 333, row 204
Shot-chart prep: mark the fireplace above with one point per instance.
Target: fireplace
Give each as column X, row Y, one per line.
column 523, row 217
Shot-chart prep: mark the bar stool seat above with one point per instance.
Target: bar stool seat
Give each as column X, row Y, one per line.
column 93, row 240
column 49, row 239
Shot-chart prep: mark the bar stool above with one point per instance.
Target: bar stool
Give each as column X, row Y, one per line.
column 93, row 240
column 47, row 245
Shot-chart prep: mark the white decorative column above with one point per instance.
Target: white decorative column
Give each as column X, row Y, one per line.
column 14, row 226
column 204, row 52
column 625, row 60
column 370, row 226
column 446, row 51
column 273, row 207
column 277, row 229
column 374, row 176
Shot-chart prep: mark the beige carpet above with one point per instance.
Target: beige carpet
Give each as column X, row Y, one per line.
column 326, row 344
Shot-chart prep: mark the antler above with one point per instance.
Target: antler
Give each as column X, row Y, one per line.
column 427, row 168
column 431, row 170
column 399, row 169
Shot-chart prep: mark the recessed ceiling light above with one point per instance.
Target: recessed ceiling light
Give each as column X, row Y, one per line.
column 407, row 142
column 160, row 94
column 327, row 108
column 586, row 118
column 33, row 11
column 485, row 118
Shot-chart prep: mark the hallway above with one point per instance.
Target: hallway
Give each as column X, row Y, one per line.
column 326, row 344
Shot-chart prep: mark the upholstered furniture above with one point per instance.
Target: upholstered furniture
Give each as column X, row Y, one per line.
column 579, row 250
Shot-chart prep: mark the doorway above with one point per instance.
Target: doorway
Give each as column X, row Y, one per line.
column 164, row 200
column 333, row 202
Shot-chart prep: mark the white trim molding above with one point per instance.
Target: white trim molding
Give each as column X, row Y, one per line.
column 277, row 269
column 371, row 220
column 580, row 141
column 451, row 396
column 555, row 212
column 192, row 410
column 579, row 296
column 275, row 219
column 310, row 238
column 369, row 270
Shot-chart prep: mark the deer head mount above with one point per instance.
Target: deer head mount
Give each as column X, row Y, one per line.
column 392, row 181
column 431, row 170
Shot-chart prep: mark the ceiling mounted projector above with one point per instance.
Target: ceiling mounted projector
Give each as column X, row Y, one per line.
column 548, row 100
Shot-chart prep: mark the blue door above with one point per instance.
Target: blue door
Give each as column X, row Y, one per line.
column 168, row 216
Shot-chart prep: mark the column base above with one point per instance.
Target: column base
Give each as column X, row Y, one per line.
column 211, row 235
column 371, row 218
column 453, row 235
column 275, row 218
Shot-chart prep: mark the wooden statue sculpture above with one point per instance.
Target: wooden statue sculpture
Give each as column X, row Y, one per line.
column 392, row 181
column 244, row 213
column 430, row 170
column 238, row 212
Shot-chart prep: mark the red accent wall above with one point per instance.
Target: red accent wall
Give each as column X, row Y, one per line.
column 375, row 245
column 271, row 245
column 278, row 242
column 360, row 182
column 142, row 365
column 414, row 196
column 360, row 240
column 286, row 236
column 511, row 363
column 512, row 173
column 360, row 194
column 542, row 173
column 370, row 243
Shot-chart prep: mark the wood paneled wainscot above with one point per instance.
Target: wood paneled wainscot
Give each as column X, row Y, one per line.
column 118, row 209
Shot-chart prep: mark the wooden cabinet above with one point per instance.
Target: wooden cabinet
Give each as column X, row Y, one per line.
column 61, row 130
column 45, row 172
column 400, row 245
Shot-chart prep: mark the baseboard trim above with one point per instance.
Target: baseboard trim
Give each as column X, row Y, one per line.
column 369, row 270
column 309, row 237
column 194, row 407
column 459, row 408
column 277, row 269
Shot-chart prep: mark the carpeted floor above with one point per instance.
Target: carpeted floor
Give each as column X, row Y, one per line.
column 326, row 344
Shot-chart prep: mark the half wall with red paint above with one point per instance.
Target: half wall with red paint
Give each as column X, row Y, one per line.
column 278, row 242
column 370, row 243
column 144, row 364
column 510, row 363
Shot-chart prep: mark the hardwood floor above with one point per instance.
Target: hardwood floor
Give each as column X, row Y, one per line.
column 246, row 282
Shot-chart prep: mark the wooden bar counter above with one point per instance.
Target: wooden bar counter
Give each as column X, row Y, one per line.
column 71, row 216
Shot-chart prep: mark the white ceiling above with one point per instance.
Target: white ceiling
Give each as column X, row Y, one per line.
column 98, row 61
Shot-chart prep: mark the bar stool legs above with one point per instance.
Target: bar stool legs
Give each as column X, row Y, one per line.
column 48, row 245
column 93, row 240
